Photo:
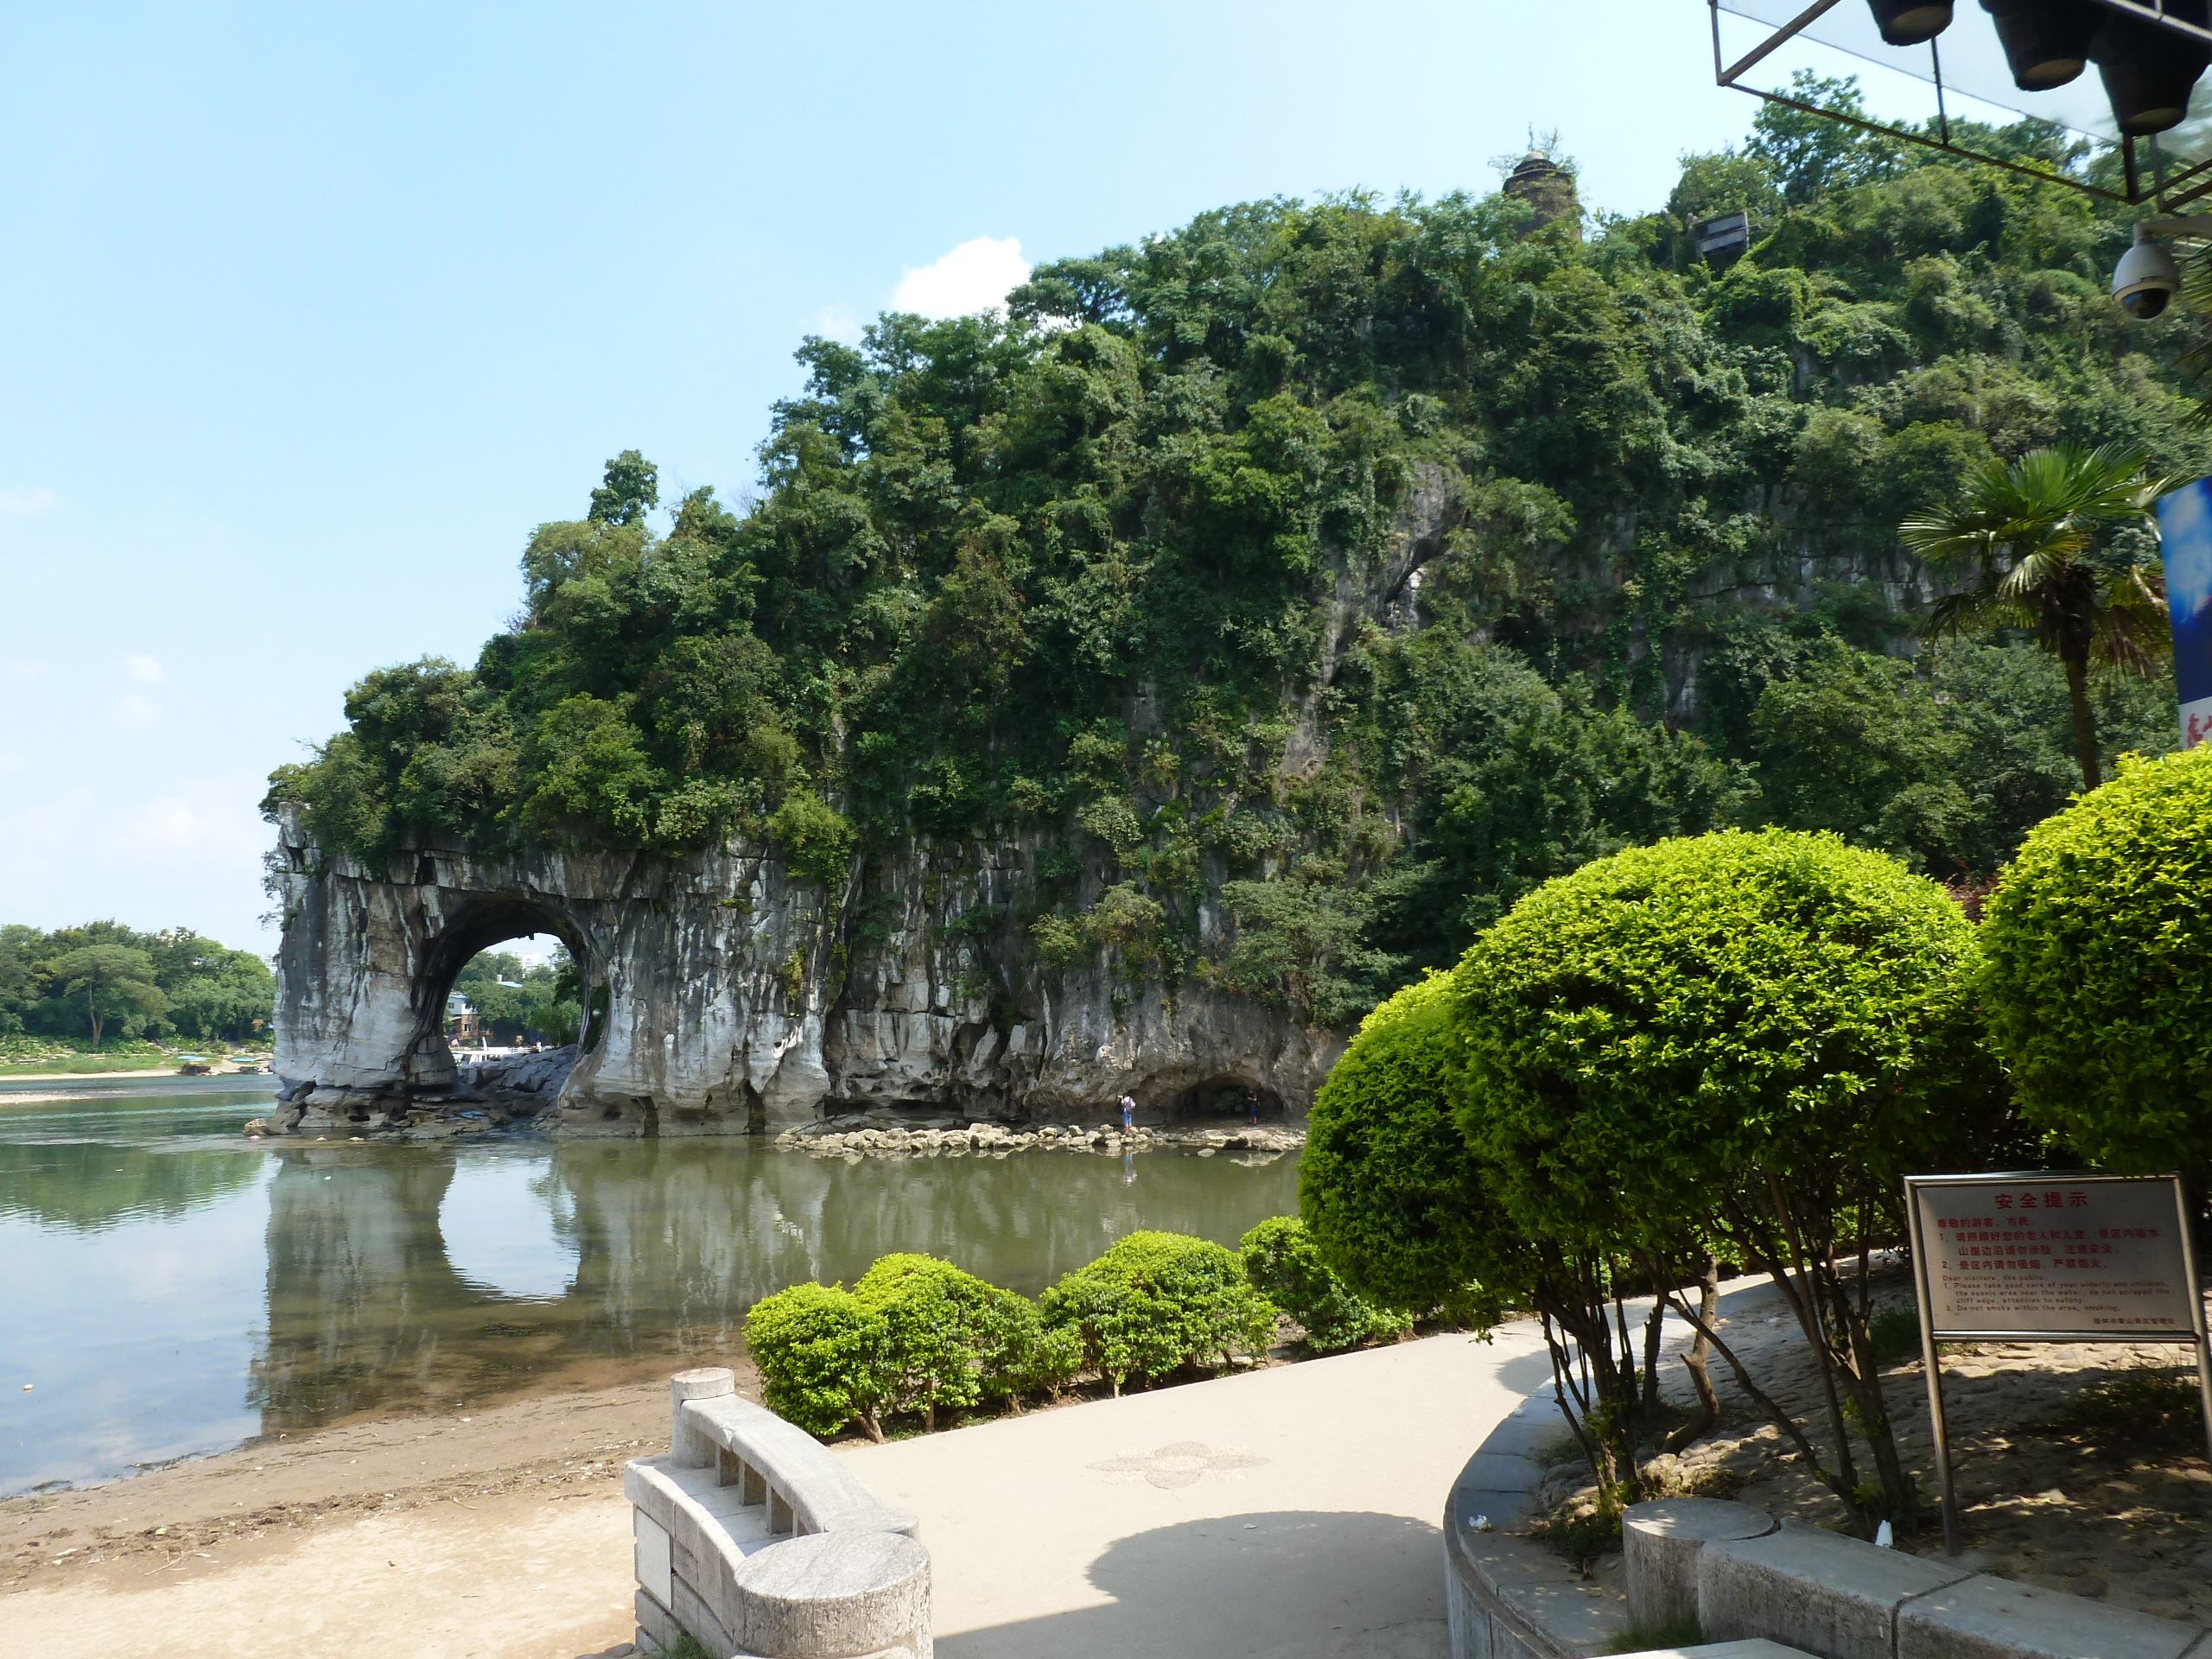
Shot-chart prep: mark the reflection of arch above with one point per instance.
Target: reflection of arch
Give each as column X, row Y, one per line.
column 508, row 1229
column 477, row 924
column 357, row 1277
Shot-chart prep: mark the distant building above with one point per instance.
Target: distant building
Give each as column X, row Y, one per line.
column 463, row 1028
column 1725, row 237
column 1549, row 188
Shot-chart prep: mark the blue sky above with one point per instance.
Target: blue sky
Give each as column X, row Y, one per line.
column 308, row 314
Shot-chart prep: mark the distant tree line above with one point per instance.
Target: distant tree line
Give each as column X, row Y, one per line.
column 520, row 1003
column 104, row 980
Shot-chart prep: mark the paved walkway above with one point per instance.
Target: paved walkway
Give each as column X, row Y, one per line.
column 1286, row 1514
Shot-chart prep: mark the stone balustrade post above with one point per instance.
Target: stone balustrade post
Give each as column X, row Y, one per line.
column 687, row 1447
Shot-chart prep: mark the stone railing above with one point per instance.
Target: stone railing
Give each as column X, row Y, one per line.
column 1738, row 1574
column 758, row 1542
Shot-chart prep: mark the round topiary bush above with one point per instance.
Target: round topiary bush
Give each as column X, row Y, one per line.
column 1394, row 1201
column 1284, row 1265
column 952, row 1340
column 1739, row 1041
column 1656, row 1034
column 824, row 1357
column 1158, row 1303
column 2098, row 975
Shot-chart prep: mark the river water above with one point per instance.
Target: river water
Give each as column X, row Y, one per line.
column 170, row 1289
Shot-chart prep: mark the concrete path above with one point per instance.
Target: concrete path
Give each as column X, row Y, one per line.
column 1289, row 1513
column 1286, row 1514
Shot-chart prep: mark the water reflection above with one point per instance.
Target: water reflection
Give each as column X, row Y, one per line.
column 396, row 1277
column 156, row 1162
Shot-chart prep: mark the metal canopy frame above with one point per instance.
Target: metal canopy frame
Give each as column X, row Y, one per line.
column 2169, row 192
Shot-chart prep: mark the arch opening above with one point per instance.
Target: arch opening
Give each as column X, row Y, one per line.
column 476, row 1002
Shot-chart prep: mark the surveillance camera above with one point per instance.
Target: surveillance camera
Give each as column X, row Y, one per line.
column 2145, row 280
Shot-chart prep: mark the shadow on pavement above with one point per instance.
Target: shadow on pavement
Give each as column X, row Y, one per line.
column 1281, row 1585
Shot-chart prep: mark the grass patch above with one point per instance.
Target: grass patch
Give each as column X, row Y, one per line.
column 1895, row 1333
column 2137, row 1413
column 1639, row 1638
column 83, row 1064
column 1582, row 1535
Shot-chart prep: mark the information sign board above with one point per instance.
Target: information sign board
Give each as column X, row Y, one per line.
column 2080, row 1257
column 2037, row 1256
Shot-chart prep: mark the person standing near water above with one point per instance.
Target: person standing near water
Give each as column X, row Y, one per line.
column 1128, row 1113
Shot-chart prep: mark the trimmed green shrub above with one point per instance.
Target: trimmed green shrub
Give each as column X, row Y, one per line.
column 2099, row 969
column 1394, row 1201
column 953, row 1340
column 1023, row 1358
column 824, row 1355
column 1283, row 1265
column 1158, row 1303
column 934, row 1316
column 1744, row 1038
column 1399, row 1204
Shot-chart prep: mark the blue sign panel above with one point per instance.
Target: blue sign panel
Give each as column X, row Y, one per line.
column 2185, row 540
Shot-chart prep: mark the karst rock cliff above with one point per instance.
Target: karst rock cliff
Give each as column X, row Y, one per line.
column 739, row 997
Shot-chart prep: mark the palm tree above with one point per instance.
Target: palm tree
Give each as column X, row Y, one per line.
column 2029, row 544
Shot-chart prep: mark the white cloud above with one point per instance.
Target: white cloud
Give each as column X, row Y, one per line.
column 27, row 668
column 974, row 276
column 11, row 764
column 20, row 503
column 135, row 713
column 836, row 322
column 147, row 670
column 202, row 822
column 58, row 821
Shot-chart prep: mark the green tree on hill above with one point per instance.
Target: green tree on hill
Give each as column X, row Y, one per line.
column 110, row 983
column 1345, row 569
column 2039, row 545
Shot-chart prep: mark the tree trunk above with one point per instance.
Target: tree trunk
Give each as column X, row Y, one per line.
column 1699, row 1361
column 93, row 1008
column 2085, row 724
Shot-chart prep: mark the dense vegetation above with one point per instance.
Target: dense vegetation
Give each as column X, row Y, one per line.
column 522, row 1003
column 1730, row 1045
column 104, row 980
column 2099, row 969
column 1364, row 563
column 917, row 1334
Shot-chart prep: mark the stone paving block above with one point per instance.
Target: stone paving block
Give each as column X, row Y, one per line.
column 1659, row 1545
column 657, row 1626
column 1830, row 1595
column 1995, row 1618
column 655, row 1568
column 1525, row 1437
column 1577, row 1618
column 1502, row 1472
column 693, row 1613
column 1506, row 1510
column 833, row 1593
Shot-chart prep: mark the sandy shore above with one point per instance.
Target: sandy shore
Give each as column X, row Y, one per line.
column 222, row 1510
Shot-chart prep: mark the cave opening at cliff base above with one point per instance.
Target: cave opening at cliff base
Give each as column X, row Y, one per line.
column 1221, row 1098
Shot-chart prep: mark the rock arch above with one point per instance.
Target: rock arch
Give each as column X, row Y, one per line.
column 739, row 996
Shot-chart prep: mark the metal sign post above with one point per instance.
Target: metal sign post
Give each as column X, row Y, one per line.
column 2037, row 1255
